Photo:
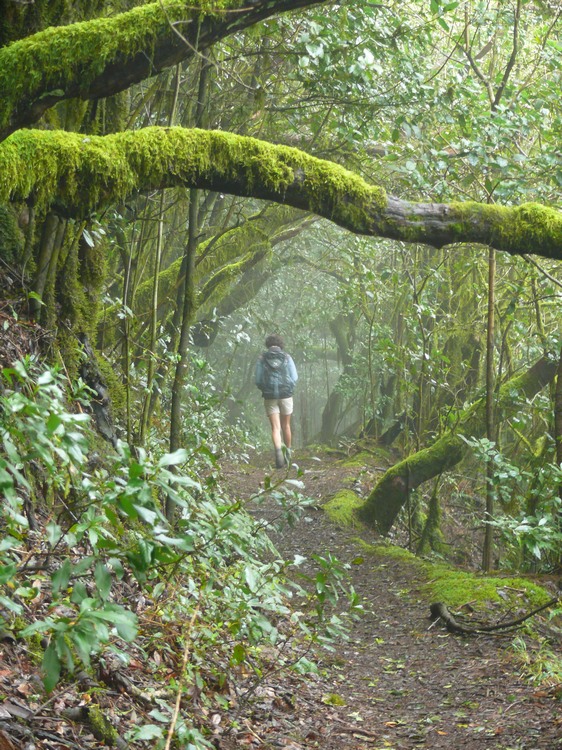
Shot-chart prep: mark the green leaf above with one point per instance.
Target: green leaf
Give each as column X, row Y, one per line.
column 238, row 654
column 51, row 667
column 85, row 641
column 103, row 580
column 251, row 577
column 54, row 533
column 7, row 572
column 124, row 622
column 79, row 593
column 148, row 732
column 173, row 459
column 39, row 626
column 61, row 577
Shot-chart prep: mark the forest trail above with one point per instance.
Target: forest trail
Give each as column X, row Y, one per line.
column 403, row 683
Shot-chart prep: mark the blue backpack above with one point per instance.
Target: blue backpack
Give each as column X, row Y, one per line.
column 275, row 380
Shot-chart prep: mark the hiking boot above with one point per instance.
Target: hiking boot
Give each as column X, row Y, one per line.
column 287, row 455
column 279, row 459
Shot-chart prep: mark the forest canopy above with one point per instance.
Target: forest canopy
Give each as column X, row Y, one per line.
column 103, row 56
column 144, row 146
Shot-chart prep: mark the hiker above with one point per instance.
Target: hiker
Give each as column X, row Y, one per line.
column 276, row 376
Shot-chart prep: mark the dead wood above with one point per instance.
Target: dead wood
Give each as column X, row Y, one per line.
column 98, row 723
column 440, row 612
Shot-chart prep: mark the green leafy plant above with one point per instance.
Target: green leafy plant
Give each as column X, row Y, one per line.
column 99, row 530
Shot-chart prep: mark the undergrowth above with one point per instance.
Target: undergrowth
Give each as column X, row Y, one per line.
column 92, row 572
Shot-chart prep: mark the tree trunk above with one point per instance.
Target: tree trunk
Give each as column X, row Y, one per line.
column 558, row 435
column 342, row 328
column 390, row 494
column 487, row 547
column 188, row 312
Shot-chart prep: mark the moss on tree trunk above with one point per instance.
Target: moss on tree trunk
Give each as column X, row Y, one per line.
column 390, row 494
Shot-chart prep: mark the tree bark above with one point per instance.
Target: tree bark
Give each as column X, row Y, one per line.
column 94, row 60
column 80, row 174
column 487, row 547
column 390, row 494
column 342, row 328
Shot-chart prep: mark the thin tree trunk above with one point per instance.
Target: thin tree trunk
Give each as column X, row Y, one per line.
column 189, row 302
column 187, row 319
column 558, row 434
column 145, row 415
column 487, row 548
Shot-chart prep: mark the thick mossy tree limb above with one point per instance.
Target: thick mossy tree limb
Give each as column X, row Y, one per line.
column 100, row 57
column 77, row 175
column 390, row 494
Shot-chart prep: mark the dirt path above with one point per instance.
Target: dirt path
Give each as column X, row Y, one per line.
column 405, row 684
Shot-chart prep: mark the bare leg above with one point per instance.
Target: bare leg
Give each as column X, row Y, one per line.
column 275, row 430
column 286, row 428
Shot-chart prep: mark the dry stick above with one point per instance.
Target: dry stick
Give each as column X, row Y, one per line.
column 180, row 686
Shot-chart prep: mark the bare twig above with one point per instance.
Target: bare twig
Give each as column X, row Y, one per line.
column 182, row 677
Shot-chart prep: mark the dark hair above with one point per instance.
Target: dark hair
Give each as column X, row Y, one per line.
column 274, row 339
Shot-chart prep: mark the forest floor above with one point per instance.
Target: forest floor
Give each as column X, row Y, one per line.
column 401, row 682
column 397, row 683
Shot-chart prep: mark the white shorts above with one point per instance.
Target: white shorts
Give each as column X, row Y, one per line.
column 278, row 405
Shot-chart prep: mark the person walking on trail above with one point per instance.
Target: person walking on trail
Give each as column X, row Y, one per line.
column 276, row 376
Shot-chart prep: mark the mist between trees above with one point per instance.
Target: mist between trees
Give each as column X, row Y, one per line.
column 379, row 183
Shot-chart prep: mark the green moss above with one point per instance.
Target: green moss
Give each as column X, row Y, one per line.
column 529, row 228
column 364, row 458
column 11, row 236
column 81, row 173
column 341, row 508
column 117, row 392
column 455, row 588
column 102, row 728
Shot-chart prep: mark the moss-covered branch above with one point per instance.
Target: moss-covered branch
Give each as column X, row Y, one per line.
column 100, row 57
column 77, row 175
column 391, row 492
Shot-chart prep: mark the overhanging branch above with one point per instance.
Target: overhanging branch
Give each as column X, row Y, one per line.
column 98, row 58
column 79, row 174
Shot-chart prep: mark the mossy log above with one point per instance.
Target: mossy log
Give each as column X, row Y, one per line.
column 389, row 495
column 100, row 726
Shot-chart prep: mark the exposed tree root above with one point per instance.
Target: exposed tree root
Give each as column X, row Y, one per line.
column 440, row 612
